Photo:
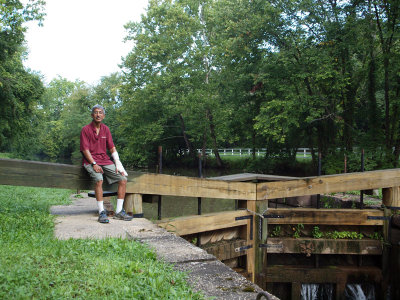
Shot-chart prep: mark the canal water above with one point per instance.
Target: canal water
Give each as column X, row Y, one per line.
column 172, row 206
column 325, row 292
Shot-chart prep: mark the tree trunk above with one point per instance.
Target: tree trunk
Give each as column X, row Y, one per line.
column 254, row 143
column 214, row 138
column 203, row 148
column 387, row 99
column 185, row 137
column 373, row 115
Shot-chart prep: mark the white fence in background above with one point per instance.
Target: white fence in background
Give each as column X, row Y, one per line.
column 301, row 152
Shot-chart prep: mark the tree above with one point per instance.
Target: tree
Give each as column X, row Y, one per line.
column 169, row 79
column 19, row 89
column 65, row 108
column 280, row 74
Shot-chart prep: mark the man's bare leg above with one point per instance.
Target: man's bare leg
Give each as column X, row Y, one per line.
column 121, row 195
column 98, row 190
column 121, row 189
column 120, row 213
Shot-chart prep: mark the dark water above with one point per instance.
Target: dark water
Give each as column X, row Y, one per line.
column 365, row 291
column 183, row 206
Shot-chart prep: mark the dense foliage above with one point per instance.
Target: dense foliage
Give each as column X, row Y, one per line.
column 20, row 90
column 35, row 265
column 275, row 74
column 230, row 73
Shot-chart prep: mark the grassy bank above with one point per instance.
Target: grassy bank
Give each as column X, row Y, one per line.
column 34, row 265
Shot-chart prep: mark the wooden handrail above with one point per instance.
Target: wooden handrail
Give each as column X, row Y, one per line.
column 42, row 174
column 52, row 175
column 329, row 184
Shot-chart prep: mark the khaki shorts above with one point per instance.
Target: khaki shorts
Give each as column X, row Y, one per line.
column 109, row 173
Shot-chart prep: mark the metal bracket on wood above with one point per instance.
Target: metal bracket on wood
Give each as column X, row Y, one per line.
column 251, row 224
column 243, row 248
column 391, row 207
column 272, row 216
column 378, row 218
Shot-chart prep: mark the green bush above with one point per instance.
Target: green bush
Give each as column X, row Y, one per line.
column 373, row 159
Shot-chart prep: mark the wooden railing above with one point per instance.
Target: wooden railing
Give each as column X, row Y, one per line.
column 252, row 197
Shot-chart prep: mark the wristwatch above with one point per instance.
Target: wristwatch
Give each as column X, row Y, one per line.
column 94, row 163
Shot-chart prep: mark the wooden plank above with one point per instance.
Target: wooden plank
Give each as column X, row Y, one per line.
column 253, row 177
column 225, row 249
column 41, row 174
column 324, row 246
column 330, row 274
column 208, row 222
column 325, row 216
column 160, row 184
column 329, row 184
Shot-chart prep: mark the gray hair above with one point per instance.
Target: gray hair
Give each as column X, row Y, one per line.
column 98, row 106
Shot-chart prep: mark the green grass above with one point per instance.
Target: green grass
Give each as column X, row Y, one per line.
column 34, row 265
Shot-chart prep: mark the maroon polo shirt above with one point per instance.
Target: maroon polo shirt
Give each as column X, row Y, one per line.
column 96, row 144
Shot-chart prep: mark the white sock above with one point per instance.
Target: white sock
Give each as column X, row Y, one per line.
column 120, row 202
column 100, row 206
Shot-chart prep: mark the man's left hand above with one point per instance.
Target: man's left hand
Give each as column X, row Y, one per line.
column 120, row 168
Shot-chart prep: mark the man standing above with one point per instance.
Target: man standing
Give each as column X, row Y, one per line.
column 95, row 140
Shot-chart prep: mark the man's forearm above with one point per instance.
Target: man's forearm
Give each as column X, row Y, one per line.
column 118, row 165
column 88, row 156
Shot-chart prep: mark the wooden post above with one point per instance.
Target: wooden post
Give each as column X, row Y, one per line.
column 391, row 197
column 251, row 205
column 296, row 291
column 248, row 235
column 340, row 288
column 133, row 204
column 260, row 237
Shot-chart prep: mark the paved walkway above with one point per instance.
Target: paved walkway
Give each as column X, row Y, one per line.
column 206, row 273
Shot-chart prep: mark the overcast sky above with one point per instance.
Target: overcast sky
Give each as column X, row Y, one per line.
column 81, row 39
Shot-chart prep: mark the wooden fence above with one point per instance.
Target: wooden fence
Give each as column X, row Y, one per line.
column 301, row 152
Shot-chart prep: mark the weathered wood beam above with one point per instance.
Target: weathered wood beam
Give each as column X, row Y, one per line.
column 207, row 222
column 330, row 274
column 41, row 174
column 160, row 184
column 324, row 246
column 325, row 216
column 329, row 184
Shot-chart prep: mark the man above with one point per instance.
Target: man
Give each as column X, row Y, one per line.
column 95, row 140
